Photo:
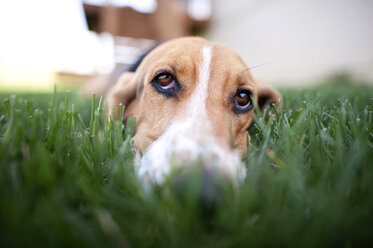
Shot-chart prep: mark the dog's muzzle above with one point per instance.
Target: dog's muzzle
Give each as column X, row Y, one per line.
column 184, row 145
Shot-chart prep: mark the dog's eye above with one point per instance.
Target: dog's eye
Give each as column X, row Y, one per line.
column 242, row 101
column 166, row 84
column 165, row 81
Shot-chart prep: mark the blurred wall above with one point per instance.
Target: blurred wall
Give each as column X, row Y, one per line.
column 41, row 37
column 298, row 41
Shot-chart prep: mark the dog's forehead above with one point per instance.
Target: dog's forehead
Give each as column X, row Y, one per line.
column 189, row 50
column 184, row 57
column 227, row 65
column 177, row 51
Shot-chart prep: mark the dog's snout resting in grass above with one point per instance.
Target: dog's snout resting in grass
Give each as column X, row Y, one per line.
column 193, row 102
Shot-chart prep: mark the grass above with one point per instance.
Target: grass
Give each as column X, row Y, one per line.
column 67, row 180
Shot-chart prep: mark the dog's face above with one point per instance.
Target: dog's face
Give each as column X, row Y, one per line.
column 193, row 103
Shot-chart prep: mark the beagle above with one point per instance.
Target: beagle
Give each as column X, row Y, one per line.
column 193, row 103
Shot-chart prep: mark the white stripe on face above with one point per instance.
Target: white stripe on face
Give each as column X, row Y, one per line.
column 189, row 140
column 197, row 103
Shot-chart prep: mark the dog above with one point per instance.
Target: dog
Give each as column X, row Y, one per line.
column 193, row 101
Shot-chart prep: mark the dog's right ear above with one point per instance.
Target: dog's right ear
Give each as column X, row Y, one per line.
column 267, row 95
column 124, row 92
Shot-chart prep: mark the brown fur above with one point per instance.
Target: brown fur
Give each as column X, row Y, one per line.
column 182, row 57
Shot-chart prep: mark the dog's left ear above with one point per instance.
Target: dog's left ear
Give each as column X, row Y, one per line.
column 123, row 92
column 267, row 94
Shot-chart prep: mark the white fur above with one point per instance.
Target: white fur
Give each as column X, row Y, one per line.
column 197, row 103
column 189, row 140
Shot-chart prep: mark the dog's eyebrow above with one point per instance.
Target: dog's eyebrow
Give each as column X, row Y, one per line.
column 166, row 66
column 164, row 69
column 243, row 74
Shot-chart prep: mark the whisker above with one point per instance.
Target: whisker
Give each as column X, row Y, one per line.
column 263, row 64
column 248, row 69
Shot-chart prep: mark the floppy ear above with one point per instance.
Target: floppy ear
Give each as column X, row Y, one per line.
column 124, row 91
column 267, row 94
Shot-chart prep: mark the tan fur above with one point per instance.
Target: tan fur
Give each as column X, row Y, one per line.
column 182, row 56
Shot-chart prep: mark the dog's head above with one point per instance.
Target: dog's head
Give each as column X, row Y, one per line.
column 193, row 103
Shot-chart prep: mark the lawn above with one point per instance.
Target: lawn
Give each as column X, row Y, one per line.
column 67, row 179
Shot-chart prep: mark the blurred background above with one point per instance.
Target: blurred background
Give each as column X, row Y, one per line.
column 285, row 42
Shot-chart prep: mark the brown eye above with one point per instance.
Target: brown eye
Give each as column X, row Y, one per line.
column 165, row 81
column 166, row 84
column 242, row 101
